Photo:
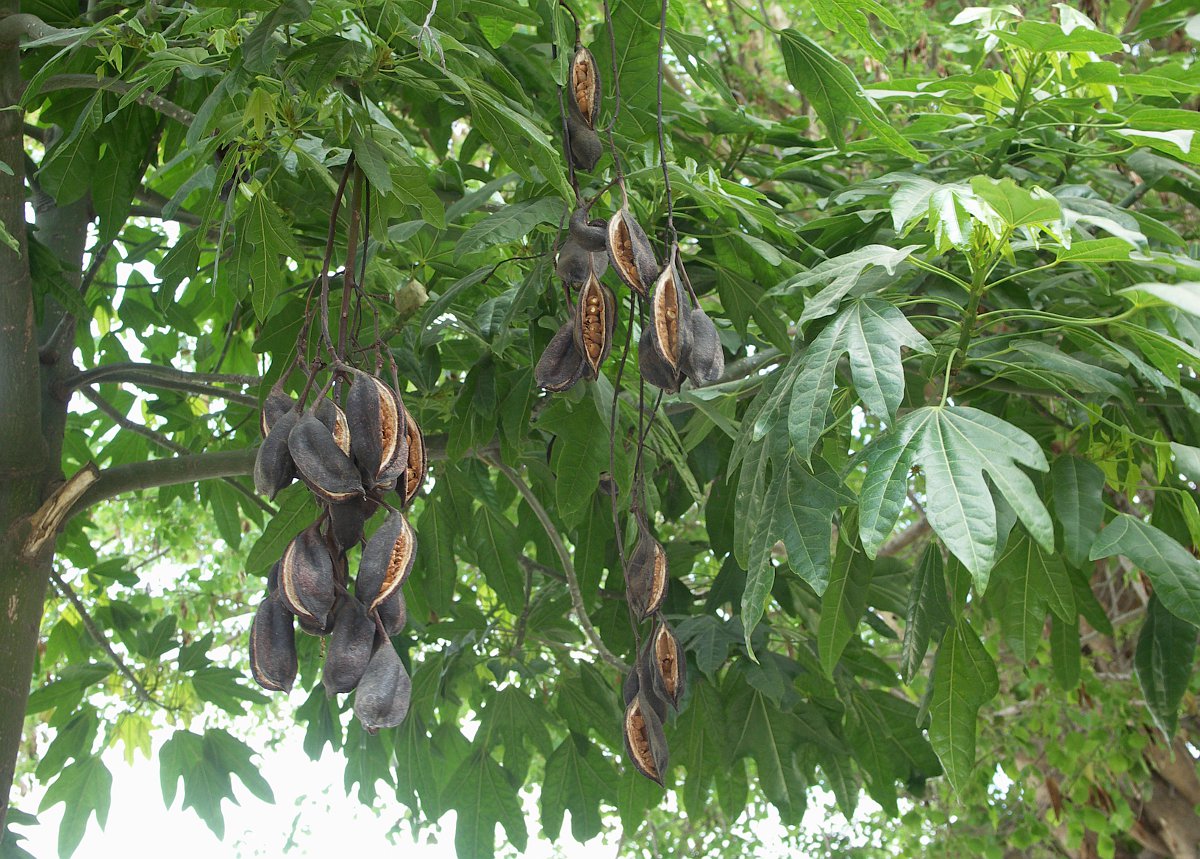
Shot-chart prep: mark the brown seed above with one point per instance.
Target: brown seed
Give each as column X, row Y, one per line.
column 669, row 665
column 561, row 364
column 412, row 480
column 647, row 575
column 630, row 252
column 273, row 647
column 387, row 561
column 594, row 320
column 670, row 328
column 584, row 88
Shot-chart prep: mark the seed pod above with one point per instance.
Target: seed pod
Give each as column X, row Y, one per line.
column 334, row 419
column 274, row 467
column 276, row 405
column 561, row 365
column 306, row 576
column 319, row 628
column 705, row 361
column 322, row 462
column 592, row 235
column 646, row 577
column 594, row 317
column 670, row 320
column 386, row 561
column 393, row 613
column 273, row 578
column 384, row 691
column 668, row 665
column 633, row 685
column 350, row 648
column 645, row 743
column 584, row 86
column 574, row 264
column 584, row 143
column 412, row 479
column 346, row 521
column 273, row 647
column 654, row 369
column 378, row 444
column 630, row 252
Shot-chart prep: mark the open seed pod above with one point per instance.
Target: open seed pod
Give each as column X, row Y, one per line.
column 583, row 89
column 273, row 646
column 386, row 562
column 378, row 443
column 411, row 480
column 384, row 691
column 668, row 665
column 654, row 369
column 350, row 648
column 306, row 576
column 276, row 405
column 670, row 320
column 633, row 684
column 334, row 419
column 705, row 360
column 594, row 318
column 561, row 364
column 322, row 462
column 646, row 576
column 630, row 252
column 274, row 467
column 319, row 627
column 645, row 743
column 583, row 142
column 346, row 521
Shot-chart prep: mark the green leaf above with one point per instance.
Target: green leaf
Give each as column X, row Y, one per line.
column 1064, row 652
column 224, row 687
column 872, row 332
column 1185, row 296
column 839, row 275
column 1076, row 486
column 266, row 231
column 835, row 94
column 205, row 763
column 1022, row 609
column 1166, row 649
column 1095, row 250
column 1042, row 37
column 513, row 719
column 964, row 679
column 928, row 613
column 483, row 794
column 84, row 788
column 1187, row 460
column 578, row 777
column 763, row 733
column 854, row 16
column 842, row 604
column 579, row 456
column 296, row 512
column 1017, row 206
column 494, row 540
column 955, row 446
column 883, row 732
column 510, row 224
column 1174, row 571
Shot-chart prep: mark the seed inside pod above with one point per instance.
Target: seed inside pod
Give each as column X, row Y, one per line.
column 594, row 321
column 387, row 561
column 669, row 667
column 645, row 743
column 561, row 364
column 584, row 89
column 647, row 574
column 376, row 434
column 416, row 462
column 273, row 647
column 670, row 320
column 630, row 252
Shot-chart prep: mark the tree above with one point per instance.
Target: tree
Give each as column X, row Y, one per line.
column 935, row 519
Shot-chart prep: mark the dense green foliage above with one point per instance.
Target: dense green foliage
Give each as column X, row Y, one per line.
column 931, row 538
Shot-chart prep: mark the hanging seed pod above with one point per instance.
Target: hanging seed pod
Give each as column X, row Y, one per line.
column 654, row 369
column 378, row 444
column 273, row 578
column 630, row 252
column 384, row 691
column 592, row 235
column 561, row 365
column 594, row 317
column 274, row 467
column 322, row 462
column 583, row 142
column 273, row 647
column 350, row 648
column 645, row 743
column 584, row 86
column 668, row 666
column 670, row 320
column 646, row 577
column 633, row 685
column 412, row 479
column 334, row 419
column 386, row 562
column 346, row 521
column 318, row 628
column 705, row 360
column 276, row 405
column 306, row 576
column 574, row 264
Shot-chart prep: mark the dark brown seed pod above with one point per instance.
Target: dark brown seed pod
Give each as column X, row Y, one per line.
column 386, row 561
column 633, row 684
column 595, row 316
column 583, row 88
column 384, row 691
column 319, row 628
column 276, row 405
column 705, row 361
column 645, row 743
column 274, row 467
column 322, row 462
column 668, row 665
column 393, row 613
column 334, row 419
column 273, row 578
column 561, row 364
column 378, row 443
column 592, row 235
column 630, row 252
column 350, row 648
column 647, row 575
column 584, row 142
column 654, row 369
column 306, row 576
column 574, row 264
column 670, row 320
column 346, row 521
column 273, row 646
column 412, row 479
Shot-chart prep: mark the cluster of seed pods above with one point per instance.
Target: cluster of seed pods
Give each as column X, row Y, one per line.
column 352, row 461
column 678, row 342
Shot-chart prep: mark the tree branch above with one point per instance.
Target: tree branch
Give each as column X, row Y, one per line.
column 905, row 538
column 154, row 376
column 549, row 572
column 564, row 558
column 149, row 99
column 16, row 28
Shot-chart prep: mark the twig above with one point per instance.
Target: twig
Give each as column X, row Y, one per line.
column 549, row 572
column 149, row 99
column 155, row 376
column 564, row 558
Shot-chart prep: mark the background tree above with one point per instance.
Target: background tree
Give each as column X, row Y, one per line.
column 936, row 519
